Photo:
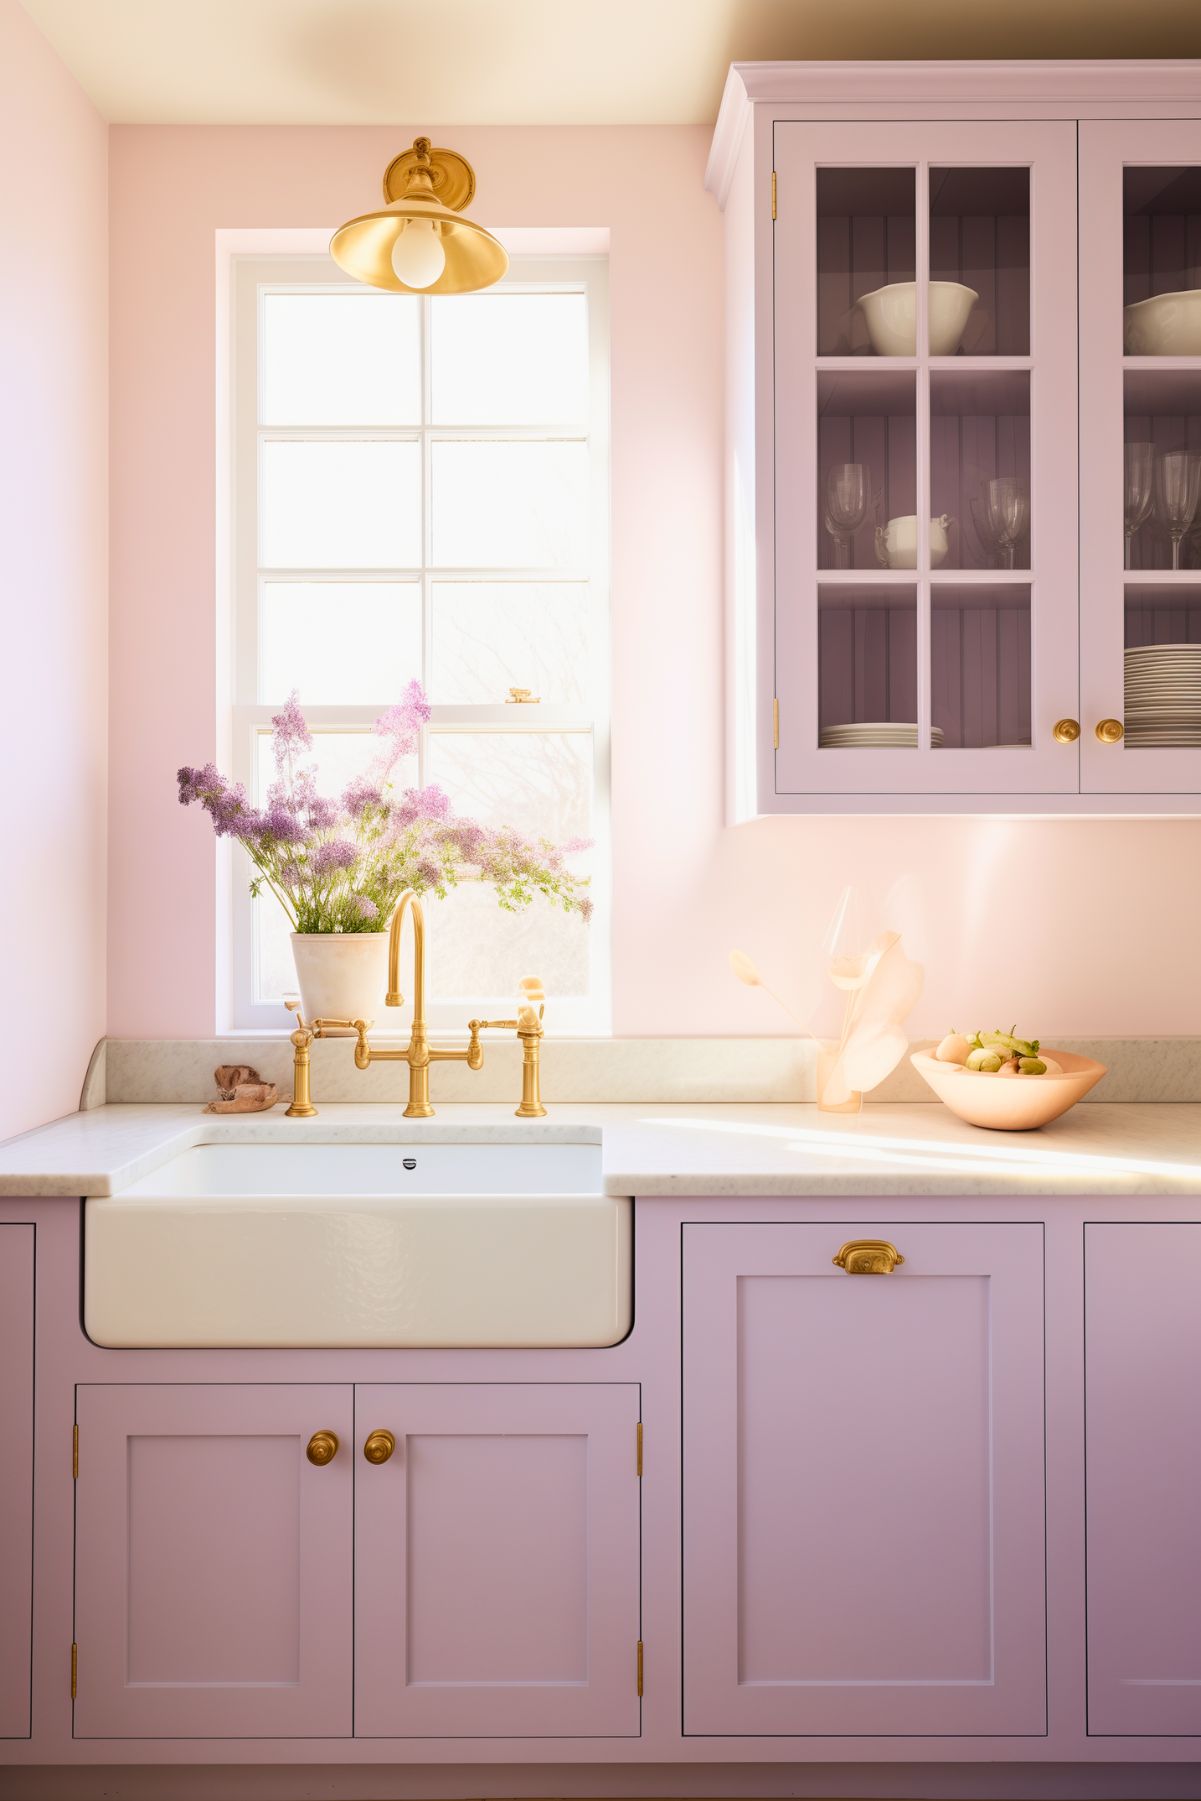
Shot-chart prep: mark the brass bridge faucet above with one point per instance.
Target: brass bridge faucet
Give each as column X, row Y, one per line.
column 417, row 1053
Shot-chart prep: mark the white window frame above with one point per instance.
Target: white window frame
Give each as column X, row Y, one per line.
column 243, row 718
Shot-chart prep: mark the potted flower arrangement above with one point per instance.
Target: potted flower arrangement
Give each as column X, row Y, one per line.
column 338, row 866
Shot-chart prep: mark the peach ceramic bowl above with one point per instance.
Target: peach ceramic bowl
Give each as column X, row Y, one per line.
column 1009, row 1103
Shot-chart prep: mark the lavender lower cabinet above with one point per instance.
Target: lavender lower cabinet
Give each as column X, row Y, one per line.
column 497, row 1562
column 864, row 1546
column 213, row 1562
column 1143, row 1450
column 16, row 1488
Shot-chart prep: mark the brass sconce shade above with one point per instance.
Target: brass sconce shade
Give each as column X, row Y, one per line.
column 420, row 243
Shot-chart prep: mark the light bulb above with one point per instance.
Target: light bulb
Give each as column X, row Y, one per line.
column 417, row 255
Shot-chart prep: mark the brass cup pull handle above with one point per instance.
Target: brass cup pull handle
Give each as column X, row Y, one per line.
column 1110, row 731
column 379, row 1446
column 322, row 1448
column 868, row 1257
column 1065, row 731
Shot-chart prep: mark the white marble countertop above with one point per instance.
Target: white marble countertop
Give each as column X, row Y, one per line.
column 672, row 1150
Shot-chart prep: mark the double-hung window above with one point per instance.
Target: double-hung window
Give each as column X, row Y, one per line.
column 420, row 489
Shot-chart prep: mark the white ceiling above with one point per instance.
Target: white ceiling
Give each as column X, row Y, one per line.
column 535, row 62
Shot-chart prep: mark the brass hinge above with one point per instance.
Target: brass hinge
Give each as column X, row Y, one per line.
column 639, row 1670
column 638, row 1447
column 773, row 193
column 75, row 1452
column 775, row 724
column 74, row 1669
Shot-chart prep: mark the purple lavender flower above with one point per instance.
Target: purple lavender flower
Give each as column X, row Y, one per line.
column 339, row 853
column 401, row 726
column 289, row 733
column 363, row 906
column 359, row 795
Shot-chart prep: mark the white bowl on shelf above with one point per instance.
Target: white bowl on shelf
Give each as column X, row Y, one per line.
column 1165, row 325
column 897, row 541
column 891, row 315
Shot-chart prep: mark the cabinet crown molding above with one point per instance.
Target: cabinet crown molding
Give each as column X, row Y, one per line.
column 1078, row 83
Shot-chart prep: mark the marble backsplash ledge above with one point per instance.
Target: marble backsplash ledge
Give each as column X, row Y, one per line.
column 591, row 1071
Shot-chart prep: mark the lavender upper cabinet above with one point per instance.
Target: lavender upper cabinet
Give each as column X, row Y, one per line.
column 1140, row 414
column 863, row 1482
column 497, row 1559
column 213, row 1562
column 16, row 1488
column 926, row 408
column 1143, row 1353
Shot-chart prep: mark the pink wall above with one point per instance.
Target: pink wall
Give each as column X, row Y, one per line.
column 53, row 528
column 1081, row 927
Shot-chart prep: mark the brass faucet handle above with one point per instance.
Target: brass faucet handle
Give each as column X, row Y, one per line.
column 294, row 1005
column 476, row 1026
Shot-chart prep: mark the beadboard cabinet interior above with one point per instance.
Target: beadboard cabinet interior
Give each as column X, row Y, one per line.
column 16, row 1488
column 863, row 1483
column 927, row 520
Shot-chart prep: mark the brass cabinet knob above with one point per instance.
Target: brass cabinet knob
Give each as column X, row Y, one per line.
column 322, row 1448
column 1065, row 731
column 868, row 1257
column 1110, row 731
column 379, row 1447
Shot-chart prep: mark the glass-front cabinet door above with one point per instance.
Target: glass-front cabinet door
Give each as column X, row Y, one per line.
column 925, row 445
column 1140, row 464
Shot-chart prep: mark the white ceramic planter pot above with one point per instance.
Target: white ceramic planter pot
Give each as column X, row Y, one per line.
column 342, row 975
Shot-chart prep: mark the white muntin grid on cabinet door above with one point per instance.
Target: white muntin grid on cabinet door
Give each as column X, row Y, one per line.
column 534, row 615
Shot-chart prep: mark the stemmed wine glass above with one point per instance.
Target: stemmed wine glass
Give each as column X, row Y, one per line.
column 985, row 536
column 1177, row 491
column 847, row 502
column 1006, row 507
column 1139, row 494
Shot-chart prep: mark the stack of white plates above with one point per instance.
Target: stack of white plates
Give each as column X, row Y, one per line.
column 885, row 734
column 1163, row 694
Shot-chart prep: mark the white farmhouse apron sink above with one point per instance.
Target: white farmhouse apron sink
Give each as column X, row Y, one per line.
column 361, row 1245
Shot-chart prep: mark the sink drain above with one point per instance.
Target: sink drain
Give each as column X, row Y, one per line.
column 409, row 1162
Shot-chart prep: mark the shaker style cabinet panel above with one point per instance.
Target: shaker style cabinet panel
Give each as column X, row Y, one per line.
column 497, row 1562
column 16, row 1488
column 1143, row 1448
column 1140, row 416
column 864, row 1546
column 213, row 1562
column 925, row 439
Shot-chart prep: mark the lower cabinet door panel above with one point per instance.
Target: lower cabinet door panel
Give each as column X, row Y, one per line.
column 864, row 1540
column 497, row 1562
column 16, row 1486
column 213, row 1562
column 1143, row 1449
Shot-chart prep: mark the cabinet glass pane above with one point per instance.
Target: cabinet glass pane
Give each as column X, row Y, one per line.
column 1162, row 469
column 980, row 245
column 980, row 470
column 865, row 242
column 867, row 662
column 1163, row 666
column 1162, row 261
column 866, row 470
column 980, row 665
